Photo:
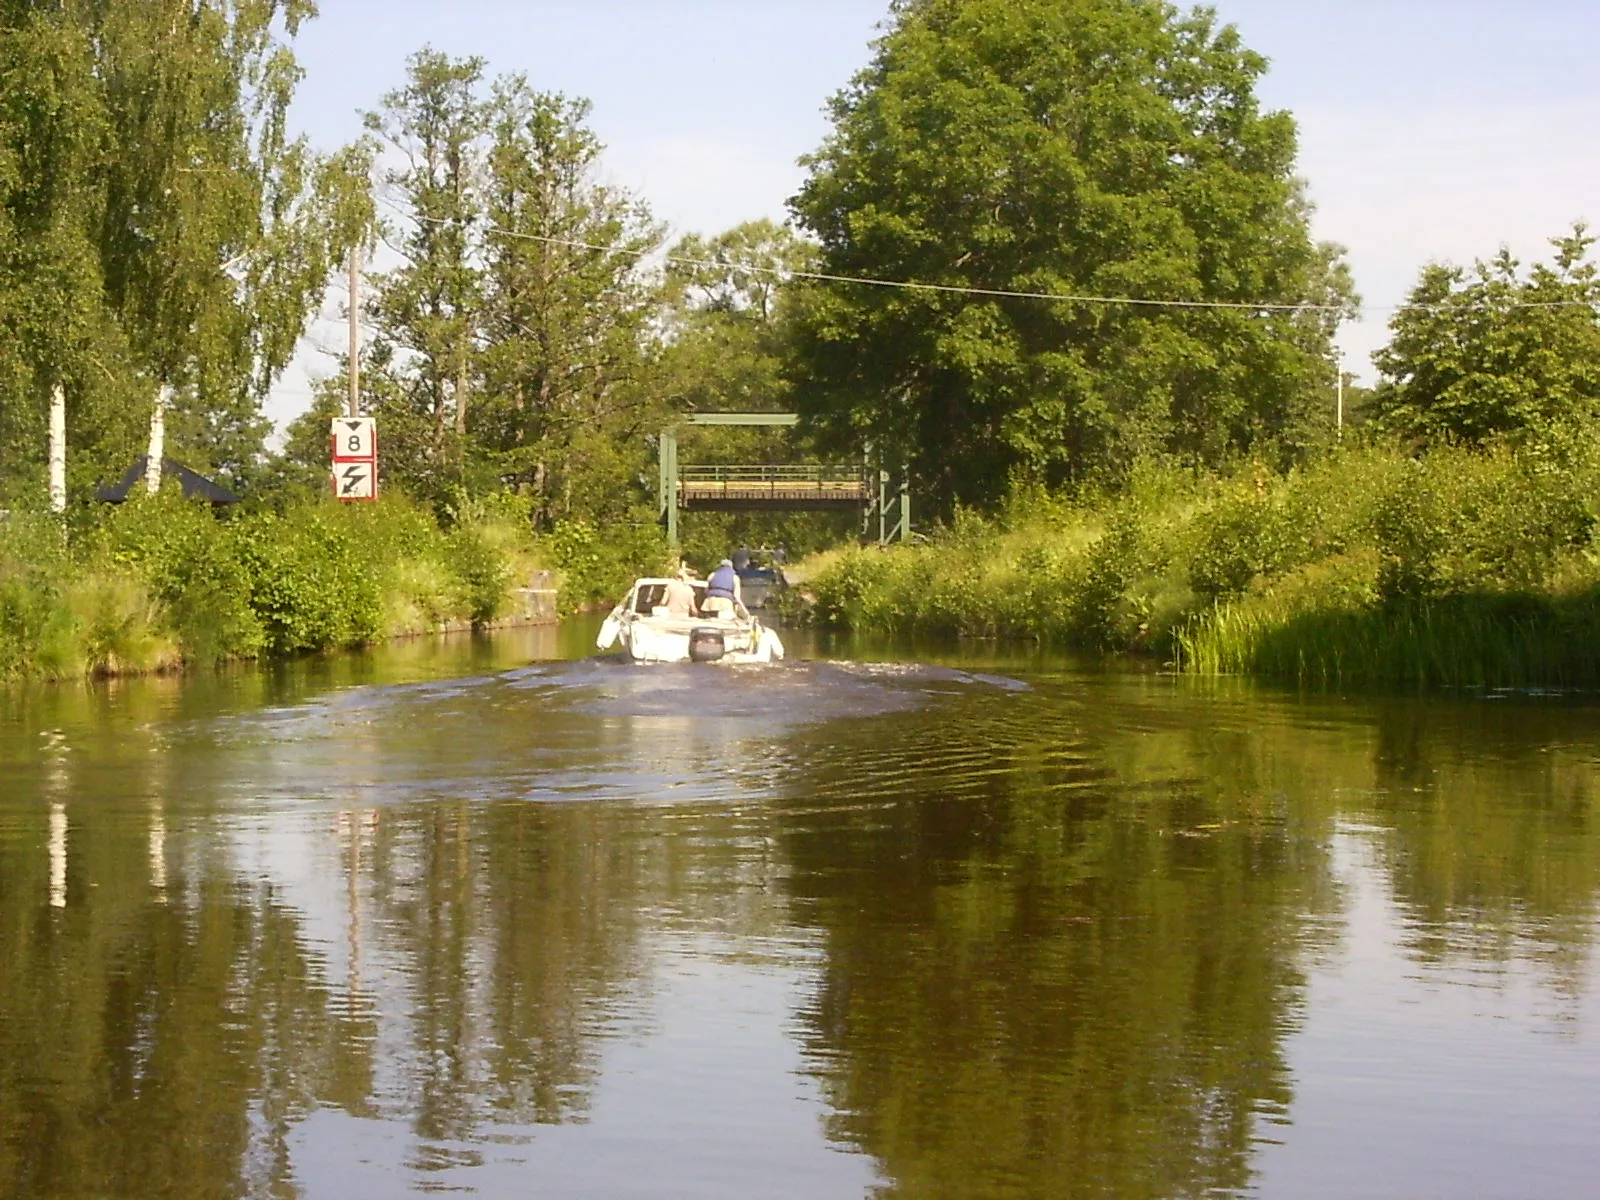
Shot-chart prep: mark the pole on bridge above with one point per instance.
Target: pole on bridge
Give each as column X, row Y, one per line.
column 667, row 496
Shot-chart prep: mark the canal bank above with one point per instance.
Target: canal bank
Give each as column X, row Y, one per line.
column 1367, row 565
column 161, row 585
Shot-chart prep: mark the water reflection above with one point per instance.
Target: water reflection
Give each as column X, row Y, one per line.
column 1041, row 980
column 482, row 918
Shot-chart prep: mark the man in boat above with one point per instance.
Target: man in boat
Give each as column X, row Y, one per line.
column 722, row 591
column 679, row 597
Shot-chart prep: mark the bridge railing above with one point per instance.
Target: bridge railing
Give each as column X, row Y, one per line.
column 804, row 485
column 786, row 473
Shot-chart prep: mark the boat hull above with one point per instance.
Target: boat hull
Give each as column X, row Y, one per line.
column 647, row 633
column 648, row 640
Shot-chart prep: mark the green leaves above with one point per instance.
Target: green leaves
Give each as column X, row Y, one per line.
column 1489, row 354
column 513, row 342
column 1078, row 148
column 157, row 225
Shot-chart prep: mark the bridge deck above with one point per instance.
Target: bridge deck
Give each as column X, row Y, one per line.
column 772, row 486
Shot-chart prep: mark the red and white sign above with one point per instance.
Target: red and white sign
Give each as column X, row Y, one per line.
column 355, row 458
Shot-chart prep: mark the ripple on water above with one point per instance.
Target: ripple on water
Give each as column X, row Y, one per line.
column 595, row 729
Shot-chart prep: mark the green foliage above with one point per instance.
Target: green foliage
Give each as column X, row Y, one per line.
column 33, row 569
column 157, row 226
column 510, row 351
column 1454, row 564
column 161, row 581
column 484, row 573
column 1087, row 147
column 598, row 567
column 58, row 621
column 1465, row 640
column 1496, row 354
column 1460, row 522
column 313, row 582
column 727, row 314
column 192, row 567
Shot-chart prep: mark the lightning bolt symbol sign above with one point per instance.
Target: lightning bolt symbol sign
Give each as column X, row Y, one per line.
column 354, row 476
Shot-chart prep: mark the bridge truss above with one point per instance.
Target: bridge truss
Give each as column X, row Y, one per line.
column 800, row 487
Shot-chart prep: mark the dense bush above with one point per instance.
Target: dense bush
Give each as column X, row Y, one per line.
column 161, row 581
column 1464, row 565
column 598, row 567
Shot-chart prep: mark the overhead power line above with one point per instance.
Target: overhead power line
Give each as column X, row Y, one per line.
column 783, row 273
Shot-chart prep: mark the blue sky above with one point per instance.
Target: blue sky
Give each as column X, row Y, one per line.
column 1430, row 130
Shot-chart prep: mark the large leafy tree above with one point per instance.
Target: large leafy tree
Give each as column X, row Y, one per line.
column 430, row 307
column 159, row 227
column 1493, row 353
column 569, row 310
column 727, row 316
column 514, row 342
column 1066, row 147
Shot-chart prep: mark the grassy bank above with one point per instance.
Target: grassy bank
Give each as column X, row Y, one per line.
column 161, row 583
column 1463, row 567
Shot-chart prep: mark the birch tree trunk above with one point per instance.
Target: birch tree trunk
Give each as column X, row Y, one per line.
column 58, row 449
column 158, row 444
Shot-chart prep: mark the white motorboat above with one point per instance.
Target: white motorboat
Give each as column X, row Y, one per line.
column 642, row 626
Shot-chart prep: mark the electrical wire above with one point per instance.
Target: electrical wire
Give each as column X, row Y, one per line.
column 784, row 273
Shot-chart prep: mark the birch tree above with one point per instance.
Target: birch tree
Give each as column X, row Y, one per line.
column 158, row 226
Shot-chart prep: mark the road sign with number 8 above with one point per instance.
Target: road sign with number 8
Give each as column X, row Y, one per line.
column 354, row 439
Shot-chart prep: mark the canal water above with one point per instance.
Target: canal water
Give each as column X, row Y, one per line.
column 493, row 917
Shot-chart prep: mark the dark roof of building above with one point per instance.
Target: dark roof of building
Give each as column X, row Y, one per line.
column 195, row 486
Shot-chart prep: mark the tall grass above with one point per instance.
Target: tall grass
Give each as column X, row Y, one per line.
column 1370, row 565
column 1473, row 641
column 161, row 582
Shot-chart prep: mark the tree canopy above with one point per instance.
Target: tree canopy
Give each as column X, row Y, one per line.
column 1076, row 148
column 158, row 226
column 1491, row 353
column 515, row 337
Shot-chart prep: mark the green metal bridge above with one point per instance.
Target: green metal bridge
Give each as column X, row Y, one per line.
column 771, row 487
column 805, row 486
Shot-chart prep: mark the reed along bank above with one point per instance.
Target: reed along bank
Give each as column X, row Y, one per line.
column 1465, row 567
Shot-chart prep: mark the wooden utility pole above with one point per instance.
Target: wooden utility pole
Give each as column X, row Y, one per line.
column 354, row 370
column 1338, row 359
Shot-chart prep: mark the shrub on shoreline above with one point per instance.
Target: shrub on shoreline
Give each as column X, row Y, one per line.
column 1370, row 565
column 160, row 582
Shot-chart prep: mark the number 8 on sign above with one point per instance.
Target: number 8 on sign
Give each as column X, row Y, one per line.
column 355, row 458
column 354, row 438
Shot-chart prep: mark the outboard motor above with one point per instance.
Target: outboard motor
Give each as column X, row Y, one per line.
column 706, row 645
